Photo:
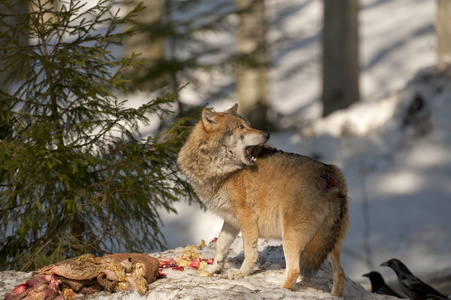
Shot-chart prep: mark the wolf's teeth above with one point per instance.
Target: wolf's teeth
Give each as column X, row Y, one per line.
column 254, row 159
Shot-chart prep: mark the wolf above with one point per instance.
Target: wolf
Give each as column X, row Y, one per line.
column 264, row 192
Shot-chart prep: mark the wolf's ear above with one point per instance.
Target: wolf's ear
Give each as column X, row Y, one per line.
column 233, row 110
column 209, row 119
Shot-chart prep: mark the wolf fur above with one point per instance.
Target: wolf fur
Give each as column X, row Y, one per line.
column 264, row 192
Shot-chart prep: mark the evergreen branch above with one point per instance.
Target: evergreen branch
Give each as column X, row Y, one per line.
column 74, row 169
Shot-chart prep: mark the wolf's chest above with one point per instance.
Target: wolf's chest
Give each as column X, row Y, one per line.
column 219, row 204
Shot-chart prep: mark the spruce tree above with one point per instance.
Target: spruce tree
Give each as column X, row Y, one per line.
column 76, row 176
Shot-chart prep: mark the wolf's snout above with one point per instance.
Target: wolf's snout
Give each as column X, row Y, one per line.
column 265, row 136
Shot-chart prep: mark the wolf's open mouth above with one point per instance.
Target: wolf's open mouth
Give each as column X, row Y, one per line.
column 249, row 155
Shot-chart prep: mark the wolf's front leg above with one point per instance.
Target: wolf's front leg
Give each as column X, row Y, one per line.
column 225, row 239
column 249, row 229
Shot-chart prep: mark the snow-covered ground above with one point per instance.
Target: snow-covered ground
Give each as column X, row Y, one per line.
column 398, row 167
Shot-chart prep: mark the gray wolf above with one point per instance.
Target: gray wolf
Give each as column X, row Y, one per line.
column 264, row 192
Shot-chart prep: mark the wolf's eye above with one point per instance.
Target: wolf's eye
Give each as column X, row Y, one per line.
column 241, row 126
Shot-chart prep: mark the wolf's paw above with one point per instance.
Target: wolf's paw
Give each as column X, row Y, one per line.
column 235, row 274
column 212, row 269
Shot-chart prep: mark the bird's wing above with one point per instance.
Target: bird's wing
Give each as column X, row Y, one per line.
column 436, row 297
column 412, row 282
column 418, row 286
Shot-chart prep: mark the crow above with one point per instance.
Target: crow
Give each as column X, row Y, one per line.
column 379, row 286
column 410, row 285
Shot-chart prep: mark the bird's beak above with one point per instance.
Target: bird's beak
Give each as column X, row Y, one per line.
column 366, row 275
column 385, row 264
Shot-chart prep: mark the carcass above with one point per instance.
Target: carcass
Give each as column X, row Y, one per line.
column 87, row 274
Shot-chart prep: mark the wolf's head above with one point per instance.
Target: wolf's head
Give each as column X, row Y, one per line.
column 233, row 136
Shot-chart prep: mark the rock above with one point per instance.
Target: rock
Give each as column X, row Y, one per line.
column 263, row 283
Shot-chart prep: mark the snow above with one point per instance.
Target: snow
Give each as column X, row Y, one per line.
column 398, row 173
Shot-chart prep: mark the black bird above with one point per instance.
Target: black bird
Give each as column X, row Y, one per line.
column 379, row 286
column 410, row 285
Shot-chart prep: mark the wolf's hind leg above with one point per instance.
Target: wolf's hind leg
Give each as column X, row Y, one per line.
column 225, row 239
column 297, row 233
column 292, row 247
column 334, row 257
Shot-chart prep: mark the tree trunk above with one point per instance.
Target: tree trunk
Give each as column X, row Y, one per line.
column 149, row 43
column 252, row 86
column 21, row 7
column 340, row 55
column 443, row 31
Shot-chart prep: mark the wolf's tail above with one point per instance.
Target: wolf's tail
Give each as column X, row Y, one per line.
column 332, row 230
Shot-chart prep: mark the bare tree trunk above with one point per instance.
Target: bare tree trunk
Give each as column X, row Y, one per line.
column 149, row 42
column 443, row 31
column 22, row 7
column 252, row 82
column 340, row 55
column 25, row 6
column 4, row 86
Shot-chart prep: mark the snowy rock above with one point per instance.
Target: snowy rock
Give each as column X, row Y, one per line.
column 263, row 283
